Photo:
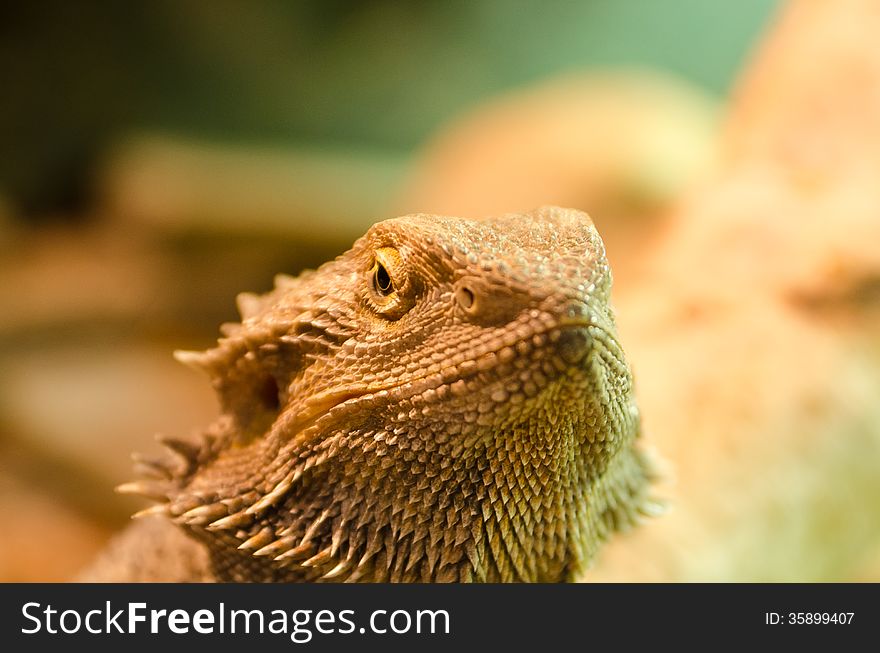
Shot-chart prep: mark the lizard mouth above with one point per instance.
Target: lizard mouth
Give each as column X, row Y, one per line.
column 567, row 344
column 557, row 347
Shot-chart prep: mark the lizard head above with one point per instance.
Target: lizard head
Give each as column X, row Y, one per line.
column 447, row 400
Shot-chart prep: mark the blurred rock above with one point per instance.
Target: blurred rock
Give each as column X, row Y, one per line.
column 67, row 276
column 809, row 101
column 870, row 571
column 131, row 280
column 620, row 145
column 43, row 540
column 756, row 338
column 73, row 410
column 321, row 196
column 93, row 402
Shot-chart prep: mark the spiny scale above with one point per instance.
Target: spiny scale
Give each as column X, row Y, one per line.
column 447, row 401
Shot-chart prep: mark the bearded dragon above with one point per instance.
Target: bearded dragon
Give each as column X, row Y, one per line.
column 446, row 401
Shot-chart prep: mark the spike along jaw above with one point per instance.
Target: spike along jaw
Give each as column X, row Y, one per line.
column 447, row 401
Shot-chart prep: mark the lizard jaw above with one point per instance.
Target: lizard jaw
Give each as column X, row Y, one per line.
column 569, row 342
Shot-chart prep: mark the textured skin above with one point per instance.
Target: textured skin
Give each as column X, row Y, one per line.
column 447, row 401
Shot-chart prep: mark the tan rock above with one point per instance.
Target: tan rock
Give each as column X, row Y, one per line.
column 756, row 340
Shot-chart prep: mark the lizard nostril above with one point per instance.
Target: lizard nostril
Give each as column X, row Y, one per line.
column 269, row 394
column 465, row 297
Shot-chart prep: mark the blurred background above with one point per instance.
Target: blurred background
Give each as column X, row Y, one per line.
column 156, row 158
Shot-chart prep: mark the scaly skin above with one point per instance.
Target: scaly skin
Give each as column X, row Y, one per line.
column 447, row 401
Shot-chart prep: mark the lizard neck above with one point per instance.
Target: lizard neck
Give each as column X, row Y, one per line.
column 422, row 505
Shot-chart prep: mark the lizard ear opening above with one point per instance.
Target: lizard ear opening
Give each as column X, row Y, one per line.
column 268, row 394
column 253, row 386
column 256, row 409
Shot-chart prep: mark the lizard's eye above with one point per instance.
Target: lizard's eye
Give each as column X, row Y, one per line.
column 382, row 280
column 389, row 288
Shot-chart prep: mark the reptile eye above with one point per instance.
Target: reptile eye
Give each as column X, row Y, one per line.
column 382, row 280
column 388, row 286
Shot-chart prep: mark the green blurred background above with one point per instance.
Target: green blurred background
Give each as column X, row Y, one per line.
column 375, row 76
